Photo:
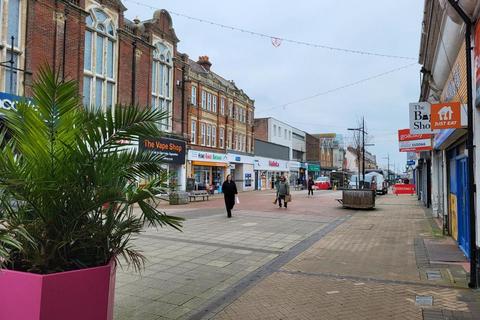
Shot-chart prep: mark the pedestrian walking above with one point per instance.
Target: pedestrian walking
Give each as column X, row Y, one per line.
column 310, row 186
column 229, row 189
column 283, row 191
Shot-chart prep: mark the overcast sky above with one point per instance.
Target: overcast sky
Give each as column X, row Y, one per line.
column 273, row 76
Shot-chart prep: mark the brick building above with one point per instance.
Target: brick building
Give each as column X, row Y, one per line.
column 114, row 60
column 220, row 127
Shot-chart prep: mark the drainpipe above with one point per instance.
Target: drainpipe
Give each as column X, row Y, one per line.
column 134, row 71
column 64, row 43
column 470, row 147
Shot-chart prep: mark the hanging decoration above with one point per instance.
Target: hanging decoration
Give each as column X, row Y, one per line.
column 276, row 42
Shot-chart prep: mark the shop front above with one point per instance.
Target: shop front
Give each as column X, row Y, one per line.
column 241, row 169
column 313, row 170
column 173, row 152
column 208, row 169
column 267, row 171
column 294, row 173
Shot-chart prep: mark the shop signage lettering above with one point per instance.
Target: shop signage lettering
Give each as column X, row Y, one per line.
column 206, row 156
column 420, row 118
column 273, row 163
column 9, row 101
column 173, row 150
column 414, row 142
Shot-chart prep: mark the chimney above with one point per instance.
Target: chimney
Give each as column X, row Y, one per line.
column 204, row 62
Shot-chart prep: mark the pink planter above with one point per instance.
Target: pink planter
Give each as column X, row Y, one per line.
column 73, row 295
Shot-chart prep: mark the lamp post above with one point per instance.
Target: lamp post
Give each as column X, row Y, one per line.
column 362, row 130
column 388, row 168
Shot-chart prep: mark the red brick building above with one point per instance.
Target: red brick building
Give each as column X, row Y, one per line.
column 220, row 127
column 118, row 61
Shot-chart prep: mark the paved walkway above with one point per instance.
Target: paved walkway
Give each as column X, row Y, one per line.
column 313, row 260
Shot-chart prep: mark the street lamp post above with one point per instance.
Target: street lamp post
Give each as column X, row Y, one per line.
column 362, row 130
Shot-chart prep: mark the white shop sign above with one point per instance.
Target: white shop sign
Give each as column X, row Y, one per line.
column 267, row 164
column 420, row 118
column 239, row 158
column 294, row 165
column 207, row 156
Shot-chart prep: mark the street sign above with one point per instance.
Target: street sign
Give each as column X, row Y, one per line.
column 414, row 142
column 420, row 118
column 446, row 115
column 410, row 162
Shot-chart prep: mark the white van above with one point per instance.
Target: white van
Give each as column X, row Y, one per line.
column 382, row 184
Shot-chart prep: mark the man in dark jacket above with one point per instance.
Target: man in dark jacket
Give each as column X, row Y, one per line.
column 283, row 189
column 229, row 190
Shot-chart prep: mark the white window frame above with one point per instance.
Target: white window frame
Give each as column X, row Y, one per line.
column 193, row 96
column 193, row 132
column 204, row 99
column 230, row 108
column 221, row 137
column 202, row 131
column 162, row 85
column 214, row 136
column 214, row 103
column 5, row 49
column 209, row 135
column 222, row 106
column 94, row 75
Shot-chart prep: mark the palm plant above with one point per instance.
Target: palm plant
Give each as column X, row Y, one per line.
column 69, row 181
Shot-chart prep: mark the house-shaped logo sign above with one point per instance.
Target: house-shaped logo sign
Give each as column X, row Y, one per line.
column 446, row 115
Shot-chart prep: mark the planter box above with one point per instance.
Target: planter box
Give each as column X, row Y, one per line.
column 73, row 295
column 358, row 198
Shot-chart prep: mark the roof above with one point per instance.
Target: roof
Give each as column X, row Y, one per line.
column 197, row 68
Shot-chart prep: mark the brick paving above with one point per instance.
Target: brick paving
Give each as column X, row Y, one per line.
column 311, row 261
column 365, row 269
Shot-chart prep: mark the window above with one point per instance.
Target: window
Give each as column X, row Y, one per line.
column 193, row 132
column 235, row 146
column 11, row 20
column 204, row 99
column 209, row 101
column 202, row 133
column 229, row 139
column 236, row 113
column 162, row 87
column 99, row 60
column 274, row 130
column 244, row 142
column 285, row 134
column 194, row 95
column 209, row 134
column 214, row 103
column 222, row 106
column 221, row 137
column 230, row 108
column 214, row 136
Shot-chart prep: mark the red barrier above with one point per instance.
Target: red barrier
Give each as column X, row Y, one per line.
column 403, row 189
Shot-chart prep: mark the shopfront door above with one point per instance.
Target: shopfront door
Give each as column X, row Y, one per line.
column 463, row 206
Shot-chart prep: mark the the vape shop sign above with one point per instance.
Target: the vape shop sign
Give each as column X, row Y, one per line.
column 173, row 150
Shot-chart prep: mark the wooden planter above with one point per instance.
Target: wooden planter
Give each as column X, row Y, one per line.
column 358, row 199
column 73, row 295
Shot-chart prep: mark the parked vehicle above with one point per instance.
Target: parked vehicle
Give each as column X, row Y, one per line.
column 381, row 185
column 322, row 183
column 369, row 183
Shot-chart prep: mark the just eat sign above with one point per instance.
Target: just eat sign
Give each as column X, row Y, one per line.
column 446, row 115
